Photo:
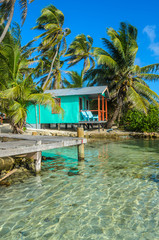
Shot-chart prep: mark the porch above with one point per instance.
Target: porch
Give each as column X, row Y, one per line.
column 92, row 116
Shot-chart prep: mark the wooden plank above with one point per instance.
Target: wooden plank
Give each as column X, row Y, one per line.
column 8, row 174
column 15, row 144
column 92, row 122
column 39, row 148
column 35, row 138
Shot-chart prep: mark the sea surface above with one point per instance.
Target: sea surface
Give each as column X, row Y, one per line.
column 113, row 194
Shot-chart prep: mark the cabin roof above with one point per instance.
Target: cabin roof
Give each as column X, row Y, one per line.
column 91, row 91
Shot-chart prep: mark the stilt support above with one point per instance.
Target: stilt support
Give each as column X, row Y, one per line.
column 38, row 160
column 36, row 156
column 80, row 133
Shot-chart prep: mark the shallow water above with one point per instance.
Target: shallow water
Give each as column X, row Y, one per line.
column 114, row 194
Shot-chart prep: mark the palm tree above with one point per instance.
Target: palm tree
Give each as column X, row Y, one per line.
column 14, row 102
column 53, row 37
column 81, row 49
column 116, row 68
column 15, row 60
column 76, row 80
column 18, row 90
column 7, row 11
column 56, row 77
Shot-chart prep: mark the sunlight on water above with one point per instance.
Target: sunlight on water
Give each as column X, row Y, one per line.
column 114, row 194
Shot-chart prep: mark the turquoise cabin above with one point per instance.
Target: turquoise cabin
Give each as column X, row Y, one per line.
column 76, row 105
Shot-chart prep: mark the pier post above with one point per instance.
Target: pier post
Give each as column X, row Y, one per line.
column 80, row 133
column 38, row 160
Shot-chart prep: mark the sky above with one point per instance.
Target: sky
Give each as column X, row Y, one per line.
column 92, row 17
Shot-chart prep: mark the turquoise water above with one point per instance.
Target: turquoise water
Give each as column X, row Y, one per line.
column 114, row 194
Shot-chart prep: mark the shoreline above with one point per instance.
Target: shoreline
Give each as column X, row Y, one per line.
column 89, row 134
column 94, row 134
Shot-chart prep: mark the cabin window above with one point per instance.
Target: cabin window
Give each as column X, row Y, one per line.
column 58, row 102
column 80, row 104
column 87, row 105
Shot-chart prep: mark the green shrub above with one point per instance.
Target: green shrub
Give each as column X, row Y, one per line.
column 137, row 121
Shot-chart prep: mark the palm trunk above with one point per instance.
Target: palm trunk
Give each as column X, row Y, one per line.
column 52, row 64
column 8, row 23
column 55, row 84
column 16, row 129
column 116, row 113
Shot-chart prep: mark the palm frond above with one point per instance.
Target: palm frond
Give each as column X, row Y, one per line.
column 136, row 100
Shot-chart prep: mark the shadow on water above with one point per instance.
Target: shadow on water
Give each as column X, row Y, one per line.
column 54, row 161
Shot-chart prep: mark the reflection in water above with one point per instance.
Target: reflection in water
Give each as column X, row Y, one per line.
column 113, row 194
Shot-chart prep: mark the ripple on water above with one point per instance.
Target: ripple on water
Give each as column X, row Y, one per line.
column 112, row 195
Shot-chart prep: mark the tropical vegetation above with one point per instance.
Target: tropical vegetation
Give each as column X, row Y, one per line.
column 27, row 71
column 53, row 42
column 18, row 89
column 116, row 68
column 81, row 49
column 7, row 11
column 75, row 81
column 134, row 120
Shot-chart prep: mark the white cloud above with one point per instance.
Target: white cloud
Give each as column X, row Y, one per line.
column 150, row 30
column 155, row 48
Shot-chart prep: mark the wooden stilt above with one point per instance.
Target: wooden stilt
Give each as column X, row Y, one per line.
column 38, row 160
column 58, row 126
column 99, row 116
column 106, row 109
column 36, row 156
column 102, row 108
column 66, row 126
column 80, row 133
column 98, row 127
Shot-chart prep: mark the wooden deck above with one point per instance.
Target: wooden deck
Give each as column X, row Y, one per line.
column 24, row 144
column 92, row 122
column 88, row 124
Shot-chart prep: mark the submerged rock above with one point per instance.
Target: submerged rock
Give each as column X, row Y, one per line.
column 30, row 200
column 73, row 173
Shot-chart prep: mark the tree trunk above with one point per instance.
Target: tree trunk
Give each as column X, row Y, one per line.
column 116, row 113
column 8, row 23
column 119, row 117
column 52, row 64
column 16, row 129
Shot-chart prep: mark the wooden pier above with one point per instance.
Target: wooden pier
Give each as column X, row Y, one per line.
column 32, row 146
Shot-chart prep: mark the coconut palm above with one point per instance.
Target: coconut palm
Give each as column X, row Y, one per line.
column 18, row 90
column 14, row 58
column 76, row 80
column 116, row 68
column 7, row 11
column 53, row 37
column 56, row 77
column 81, row 49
